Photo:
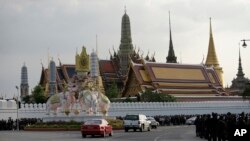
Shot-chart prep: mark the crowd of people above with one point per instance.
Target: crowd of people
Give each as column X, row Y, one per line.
column 222, row 127
column 11, row 124
column 172, row 120
column 215, row 127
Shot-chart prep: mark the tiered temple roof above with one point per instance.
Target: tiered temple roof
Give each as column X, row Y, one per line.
column 110, row 69
column 64, row 73
column 174, row 79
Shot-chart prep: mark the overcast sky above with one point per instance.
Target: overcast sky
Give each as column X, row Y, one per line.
column 29, row 27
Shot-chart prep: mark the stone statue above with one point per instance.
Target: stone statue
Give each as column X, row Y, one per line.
column 93, row 102
column 65, row 100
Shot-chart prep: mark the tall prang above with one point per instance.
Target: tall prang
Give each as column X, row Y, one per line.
column 95, row 71
column 171, row 58
column 24, row 86
column 212, row 60
column 52, row 78
column 94, row 66
column 126, row 46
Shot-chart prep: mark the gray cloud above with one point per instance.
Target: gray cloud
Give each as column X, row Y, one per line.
column 29, row 27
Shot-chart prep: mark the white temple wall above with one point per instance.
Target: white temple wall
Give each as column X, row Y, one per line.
column 8, row 109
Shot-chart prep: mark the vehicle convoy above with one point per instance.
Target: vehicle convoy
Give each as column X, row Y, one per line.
column 136, row 121
column 96, row 127
column 154, row 123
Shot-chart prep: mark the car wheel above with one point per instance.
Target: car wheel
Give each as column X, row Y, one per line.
column 155, row 127
column 83, row 135
column 103, row 135
column 111, row 133
column 149, row 128
column 126, row 129
column 142, row 128
column 134, row 129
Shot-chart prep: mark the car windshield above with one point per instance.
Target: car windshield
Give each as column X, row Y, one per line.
column 192, row 118
column 131, row 117
column 150, row 118
column 93, row 122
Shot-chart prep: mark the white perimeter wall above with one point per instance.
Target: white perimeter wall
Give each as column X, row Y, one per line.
column 8, row 108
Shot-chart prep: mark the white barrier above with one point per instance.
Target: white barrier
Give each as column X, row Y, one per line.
column 8, row 108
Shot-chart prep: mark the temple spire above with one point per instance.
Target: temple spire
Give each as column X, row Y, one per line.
column 240, row 69
column 171, row 58
column 126, row 46
column 212, row 59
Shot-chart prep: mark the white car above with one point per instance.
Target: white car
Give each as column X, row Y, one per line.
column 137, row 121
column 154, row 123
column 191, row 121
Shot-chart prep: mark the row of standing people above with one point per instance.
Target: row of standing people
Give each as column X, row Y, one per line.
column 221, row 127
column 11, row 124
column 172, row 120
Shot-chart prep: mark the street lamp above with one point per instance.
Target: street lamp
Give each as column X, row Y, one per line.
column 244, row 42
column 17, row 105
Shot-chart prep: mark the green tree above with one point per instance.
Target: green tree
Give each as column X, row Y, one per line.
column 112, row 91
column 38, row 94
column 150, row 96
column 27, row 99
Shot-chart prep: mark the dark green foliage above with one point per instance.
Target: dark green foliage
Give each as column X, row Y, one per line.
column 38, row 94
column 112, row 91
column 27, row 99
column 128, row 99
column 150, row 96
column 56, row 124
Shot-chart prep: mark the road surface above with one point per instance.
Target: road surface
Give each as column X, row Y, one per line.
column 167, row 133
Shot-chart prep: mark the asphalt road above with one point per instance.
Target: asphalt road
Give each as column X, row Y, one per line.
column 168, row 133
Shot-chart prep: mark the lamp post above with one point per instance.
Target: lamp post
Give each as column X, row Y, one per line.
column 244, row 42
column 17, row 105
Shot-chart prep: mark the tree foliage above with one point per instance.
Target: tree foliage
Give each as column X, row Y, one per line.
column 112, row 91
column 38, row 94
column 151, row 96
column 27, row 99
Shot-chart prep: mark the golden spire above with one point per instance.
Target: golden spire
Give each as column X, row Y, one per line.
column 212, row 59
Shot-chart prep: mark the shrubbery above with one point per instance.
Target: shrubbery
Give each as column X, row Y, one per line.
column 58, row 124
column 116, row 123
column 151, row 96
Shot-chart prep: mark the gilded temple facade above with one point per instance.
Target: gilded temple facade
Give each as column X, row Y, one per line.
column 172, row 78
